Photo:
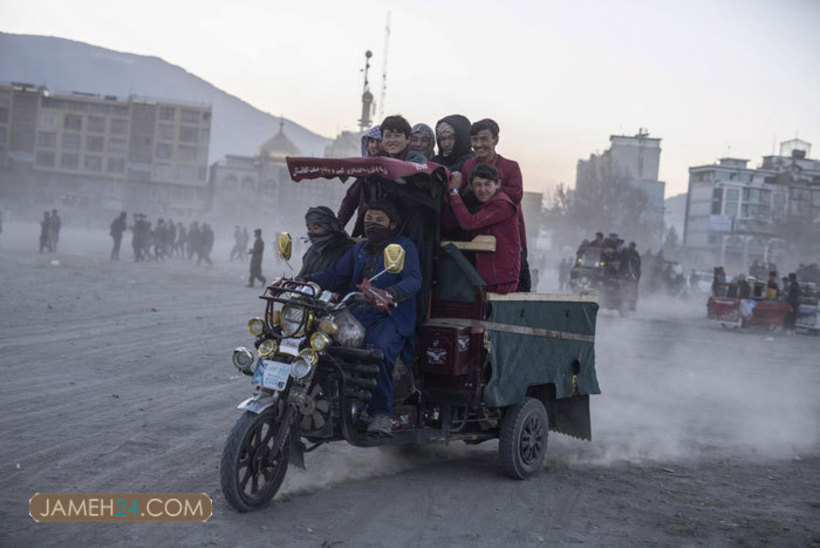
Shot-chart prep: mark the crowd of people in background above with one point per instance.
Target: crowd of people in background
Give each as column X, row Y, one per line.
column 163, row 240
column 241, row 238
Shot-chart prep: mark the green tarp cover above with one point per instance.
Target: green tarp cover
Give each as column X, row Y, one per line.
column 535, row 356
column 453, row 270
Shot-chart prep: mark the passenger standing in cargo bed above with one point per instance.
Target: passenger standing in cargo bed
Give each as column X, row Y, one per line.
column 496, row 215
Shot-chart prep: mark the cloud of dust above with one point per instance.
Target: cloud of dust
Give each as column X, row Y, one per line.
column 676, row 387
column 339, row 463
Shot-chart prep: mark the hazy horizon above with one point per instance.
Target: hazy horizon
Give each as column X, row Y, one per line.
column 711, row 79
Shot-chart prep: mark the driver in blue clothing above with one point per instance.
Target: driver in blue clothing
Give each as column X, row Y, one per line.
column 389, row 330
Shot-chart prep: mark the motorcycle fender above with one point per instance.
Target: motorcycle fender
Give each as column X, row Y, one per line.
column 256, row 404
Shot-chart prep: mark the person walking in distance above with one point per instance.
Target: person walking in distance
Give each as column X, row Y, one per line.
column 238, row 248
column 45, row 227
column 54, row 230
column 194, row 239
column 793, row 298
column 182, row 237
column 256, row 258
column 206, row 244
column 118, row 227
column 563, row 274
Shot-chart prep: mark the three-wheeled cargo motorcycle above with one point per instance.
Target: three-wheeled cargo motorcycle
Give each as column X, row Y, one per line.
column 599, row 269
column 486, row 366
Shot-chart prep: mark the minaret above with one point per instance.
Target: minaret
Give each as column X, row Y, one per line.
column 367, row 97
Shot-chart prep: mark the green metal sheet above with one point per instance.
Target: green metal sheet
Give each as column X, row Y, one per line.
column 539, row 341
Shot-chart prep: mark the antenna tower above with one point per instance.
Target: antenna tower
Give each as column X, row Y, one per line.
column 367, row 97
column 384, row 67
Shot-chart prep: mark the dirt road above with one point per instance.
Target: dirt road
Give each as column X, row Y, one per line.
column 116, row 377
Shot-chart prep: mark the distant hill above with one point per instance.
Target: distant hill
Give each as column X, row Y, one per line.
column 65, row 65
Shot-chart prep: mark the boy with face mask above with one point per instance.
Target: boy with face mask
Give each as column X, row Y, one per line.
column 328, row 240
column 391, row 330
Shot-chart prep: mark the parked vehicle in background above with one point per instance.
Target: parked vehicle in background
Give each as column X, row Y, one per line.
column 731, row 308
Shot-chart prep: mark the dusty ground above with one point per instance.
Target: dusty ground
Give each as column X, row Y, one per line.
column 116, row 377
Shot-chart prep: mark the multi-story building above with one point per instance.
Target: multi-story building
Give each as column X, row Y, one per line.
column 102, row 152
column 635, row 159
column 736, row 214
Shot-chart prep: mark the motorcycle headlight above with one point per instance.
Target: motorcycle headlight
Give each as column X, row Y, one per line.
column 275, row 317
column 328, row 326
column 243, row 360
column 256, row 326
column 319, row 341
column 312, row 288
column 350, row 331
column 293, row 320
column 301, row 366
column 267, row 348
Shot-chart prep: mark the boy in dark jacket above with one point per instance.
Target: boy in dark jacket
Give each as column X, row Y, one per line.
column 453, row 137
column 391, row 330
column 117, row 229
column 328, row 241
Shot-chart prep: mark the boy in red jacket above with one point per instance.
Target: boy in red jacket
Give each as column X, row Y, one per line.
column 484, row 139
column 497, row 216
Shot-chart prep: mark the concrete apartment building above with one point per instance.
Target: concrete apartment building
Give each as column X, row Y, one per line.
column 102, row 153
column 736, row 214
column 638, row 159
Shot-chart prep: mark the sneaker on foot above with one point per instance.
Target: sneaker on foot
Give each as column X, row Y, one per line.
column 380, row 424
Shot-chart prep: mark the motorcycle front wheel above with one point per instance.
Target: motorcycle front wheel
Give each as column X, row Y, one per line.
column 248, row 475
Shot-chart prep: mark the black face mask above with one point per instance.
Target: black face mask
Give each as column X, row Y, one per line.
column 319, row 239
column 377, row 235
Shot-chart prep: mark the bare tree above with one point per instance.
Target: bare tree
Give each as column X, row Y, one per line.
column 671, row 243
column 558, row 219
column 604, row 200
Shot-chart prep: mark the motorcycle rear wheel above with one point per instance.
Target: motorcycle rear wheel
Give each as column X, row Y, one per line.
column 249, row 481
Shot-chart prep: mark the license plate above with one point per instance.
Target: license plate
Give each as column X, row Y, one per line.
column 290, row 346
column 271, row 374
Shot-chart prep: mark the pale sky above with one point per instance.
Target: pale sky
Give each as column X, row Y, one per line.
column 710, row 78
